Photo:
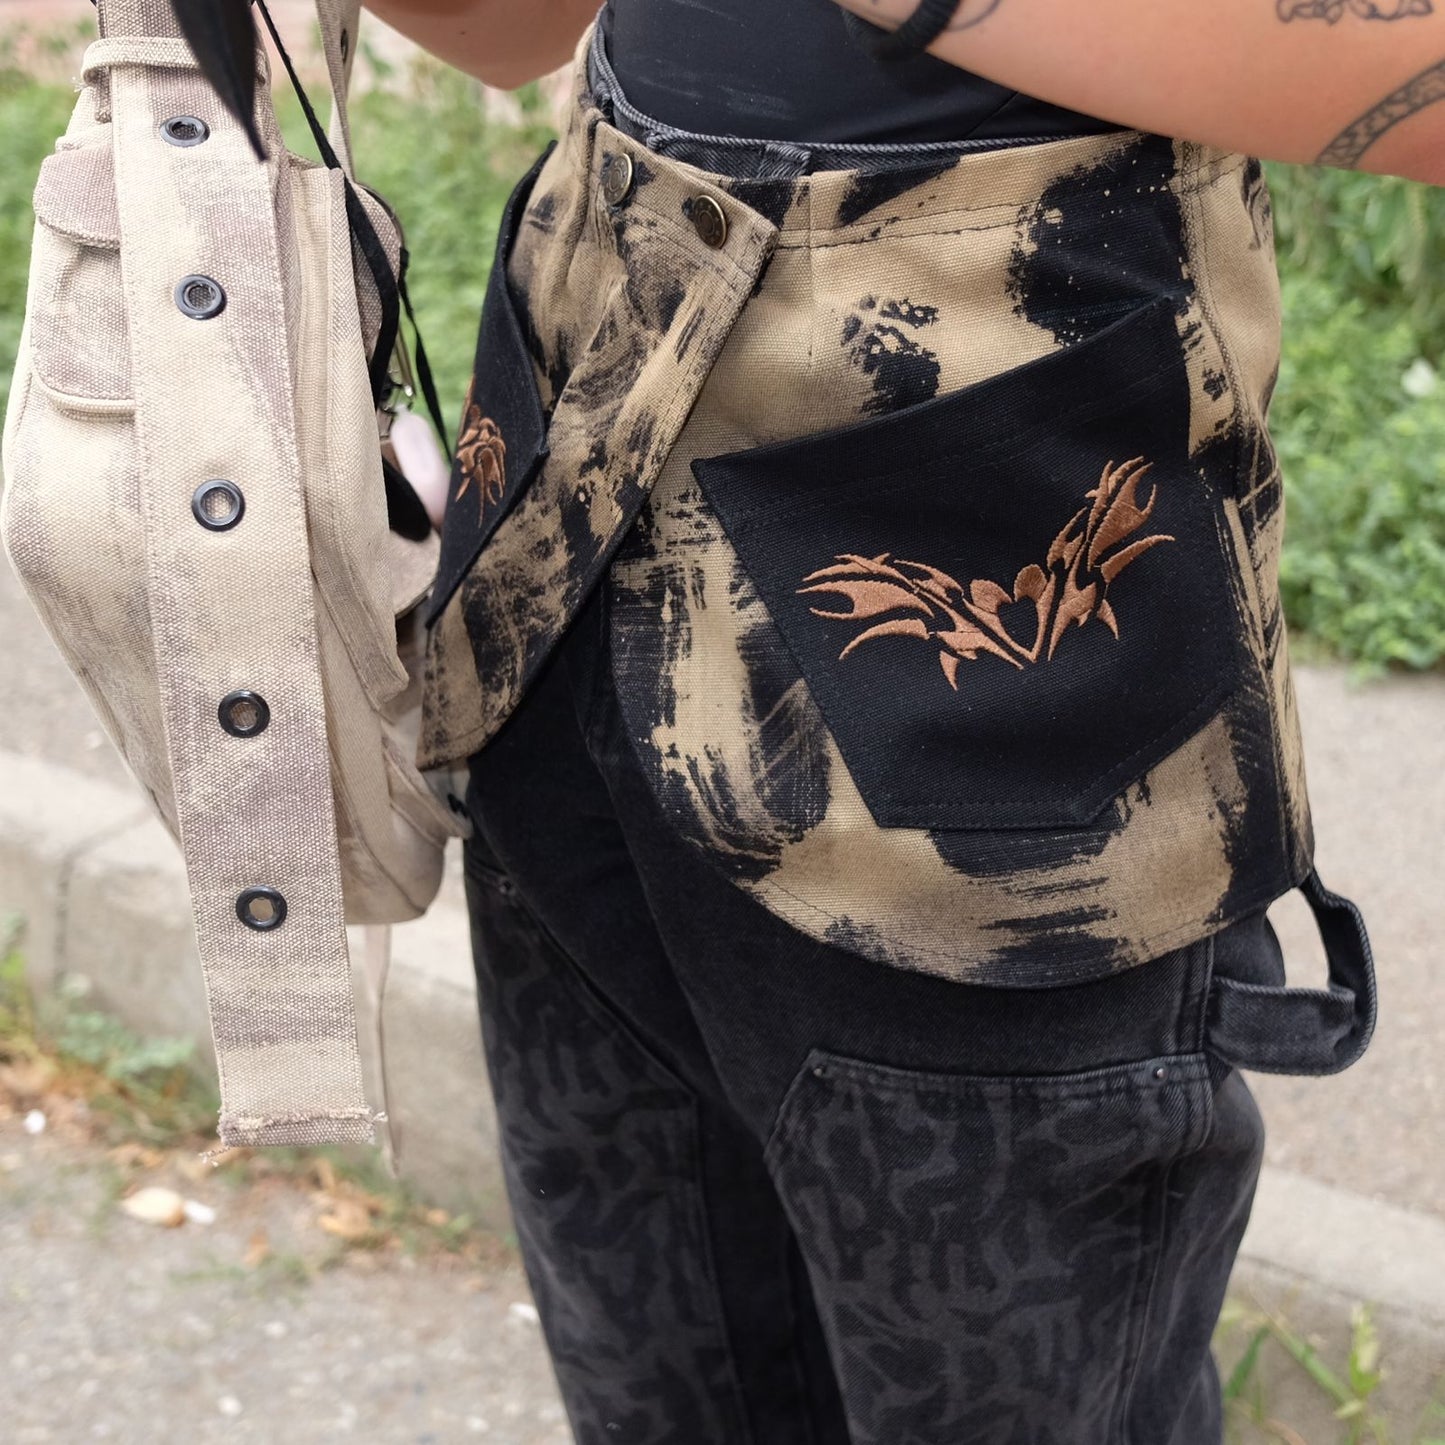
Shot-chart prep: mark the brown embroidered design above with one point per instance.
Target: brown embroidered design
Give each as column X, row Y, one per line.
column 481, row 453
column 967, row 623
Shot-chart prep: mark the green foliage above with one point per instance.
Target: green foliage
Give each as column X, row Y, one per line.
column 1359, row 415
column 1376, row 238
column 146, row 1088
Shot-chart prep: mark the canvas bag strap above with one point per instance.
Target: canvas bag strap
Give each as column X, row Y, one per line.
column 235, row 608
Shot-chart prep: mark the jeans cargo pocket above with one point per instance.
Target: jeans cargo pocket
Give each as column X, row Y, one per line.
column 503, row 437
column 1010, row 602
column 985, row 1242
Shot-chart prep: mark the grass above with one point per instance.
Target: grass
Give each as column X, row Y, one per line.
column 1349, row 1386
column 1359, row 416
column 151, row 1106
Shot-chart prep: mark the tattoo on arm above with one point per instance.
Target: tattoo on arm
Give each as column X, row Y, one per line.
column 1347, row 148
column 1332, row 10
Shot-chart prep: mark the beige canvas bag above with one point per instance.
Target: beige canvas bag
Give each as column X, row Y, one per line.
column 195, row 503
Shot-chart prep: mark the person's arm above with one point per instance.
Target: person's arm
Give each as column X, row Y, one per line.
column 503, row 42
column 1352, row 83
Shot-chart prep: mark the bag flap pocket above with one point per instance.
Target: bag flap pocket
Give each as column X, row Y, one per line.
column 75, row 196
column 1009, row 602
column 78, row 333
column 503, row 437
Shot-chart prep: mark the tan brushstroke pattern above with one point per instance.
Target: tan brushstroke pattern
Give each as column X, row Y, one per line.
column 718, row 714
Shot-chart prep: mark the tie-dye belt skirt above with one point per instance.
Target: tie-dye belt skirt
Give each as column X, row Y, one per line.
column 939, row 529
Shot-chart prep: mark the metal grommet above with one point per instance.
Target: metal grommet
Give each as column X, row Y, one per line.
column 218, row 505
column 199, row 297
column 618, row 174
column 261, row 909
column 709, row 221
column 243, row 713
column 185, row 130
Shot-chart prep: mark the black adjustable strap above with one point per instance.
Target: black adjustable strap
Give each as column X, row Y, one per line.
column 367, row 241
column 1277, row 1030
column 918, row 32
column 423, row 365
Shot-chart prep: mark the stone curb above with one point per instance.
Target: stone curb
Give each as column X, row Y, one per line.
column 102, row 890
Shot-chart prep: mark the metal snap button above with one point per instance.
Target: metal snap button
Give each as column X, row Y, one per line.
column 243, row 713
column 618, row 174
column 199, row 297
column 218, row 505
column 261, row 909
column 185, row 130
column 709, row 221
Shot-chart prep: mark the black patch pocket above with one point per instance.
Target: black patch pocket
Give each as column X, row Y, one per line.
column 1010, row 602
column 503, row 437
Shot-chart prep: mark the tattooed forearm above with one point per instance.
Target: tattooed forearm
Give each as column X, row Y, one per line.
column 1348, row 148
column 1332, row 10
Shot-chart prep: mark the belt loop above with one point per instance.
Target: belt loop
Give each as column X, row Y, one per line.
column 1298, row 1030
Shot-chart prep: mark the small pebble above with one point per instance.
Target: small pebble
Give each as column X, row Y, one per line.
column 525, row 1312
column 35, row 1122
column 229, row 1405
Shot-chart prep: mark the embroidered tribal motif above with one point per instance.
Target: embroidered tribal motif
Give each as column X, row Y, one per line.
column 482, row 453
column 966, row 623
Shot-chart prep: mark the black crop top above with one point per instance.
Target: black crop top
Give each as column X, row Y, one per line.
column 798, row 70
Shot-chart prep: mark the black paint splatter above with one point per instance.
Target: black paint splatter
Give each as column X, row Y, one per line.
column 1100, row 241
column 902, row 371
column 876, row 188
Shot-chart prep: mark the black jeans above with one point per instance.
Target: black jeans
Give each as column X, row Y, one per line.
column 771, row 1193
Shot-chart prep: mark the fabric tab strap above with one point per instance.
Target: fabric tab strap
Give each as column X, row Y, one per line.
column 1298, row 1030
column 280, row 1000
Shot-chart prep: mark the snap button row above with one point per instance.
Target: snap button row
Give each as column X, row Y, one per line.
column 218, row 506
column 618, row 175
column 710, row 221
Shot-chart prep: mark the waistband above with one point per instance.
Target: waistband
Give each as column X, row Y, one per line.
column 790, row 194
column 762, row 159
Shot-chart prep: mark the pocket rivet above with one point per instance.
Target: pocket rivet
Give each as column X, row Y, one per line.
column 820, row 1070
column 1161, row 1073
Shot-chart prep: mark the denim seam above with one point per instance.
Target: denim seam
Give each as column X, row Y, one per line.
column 708, row 1257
